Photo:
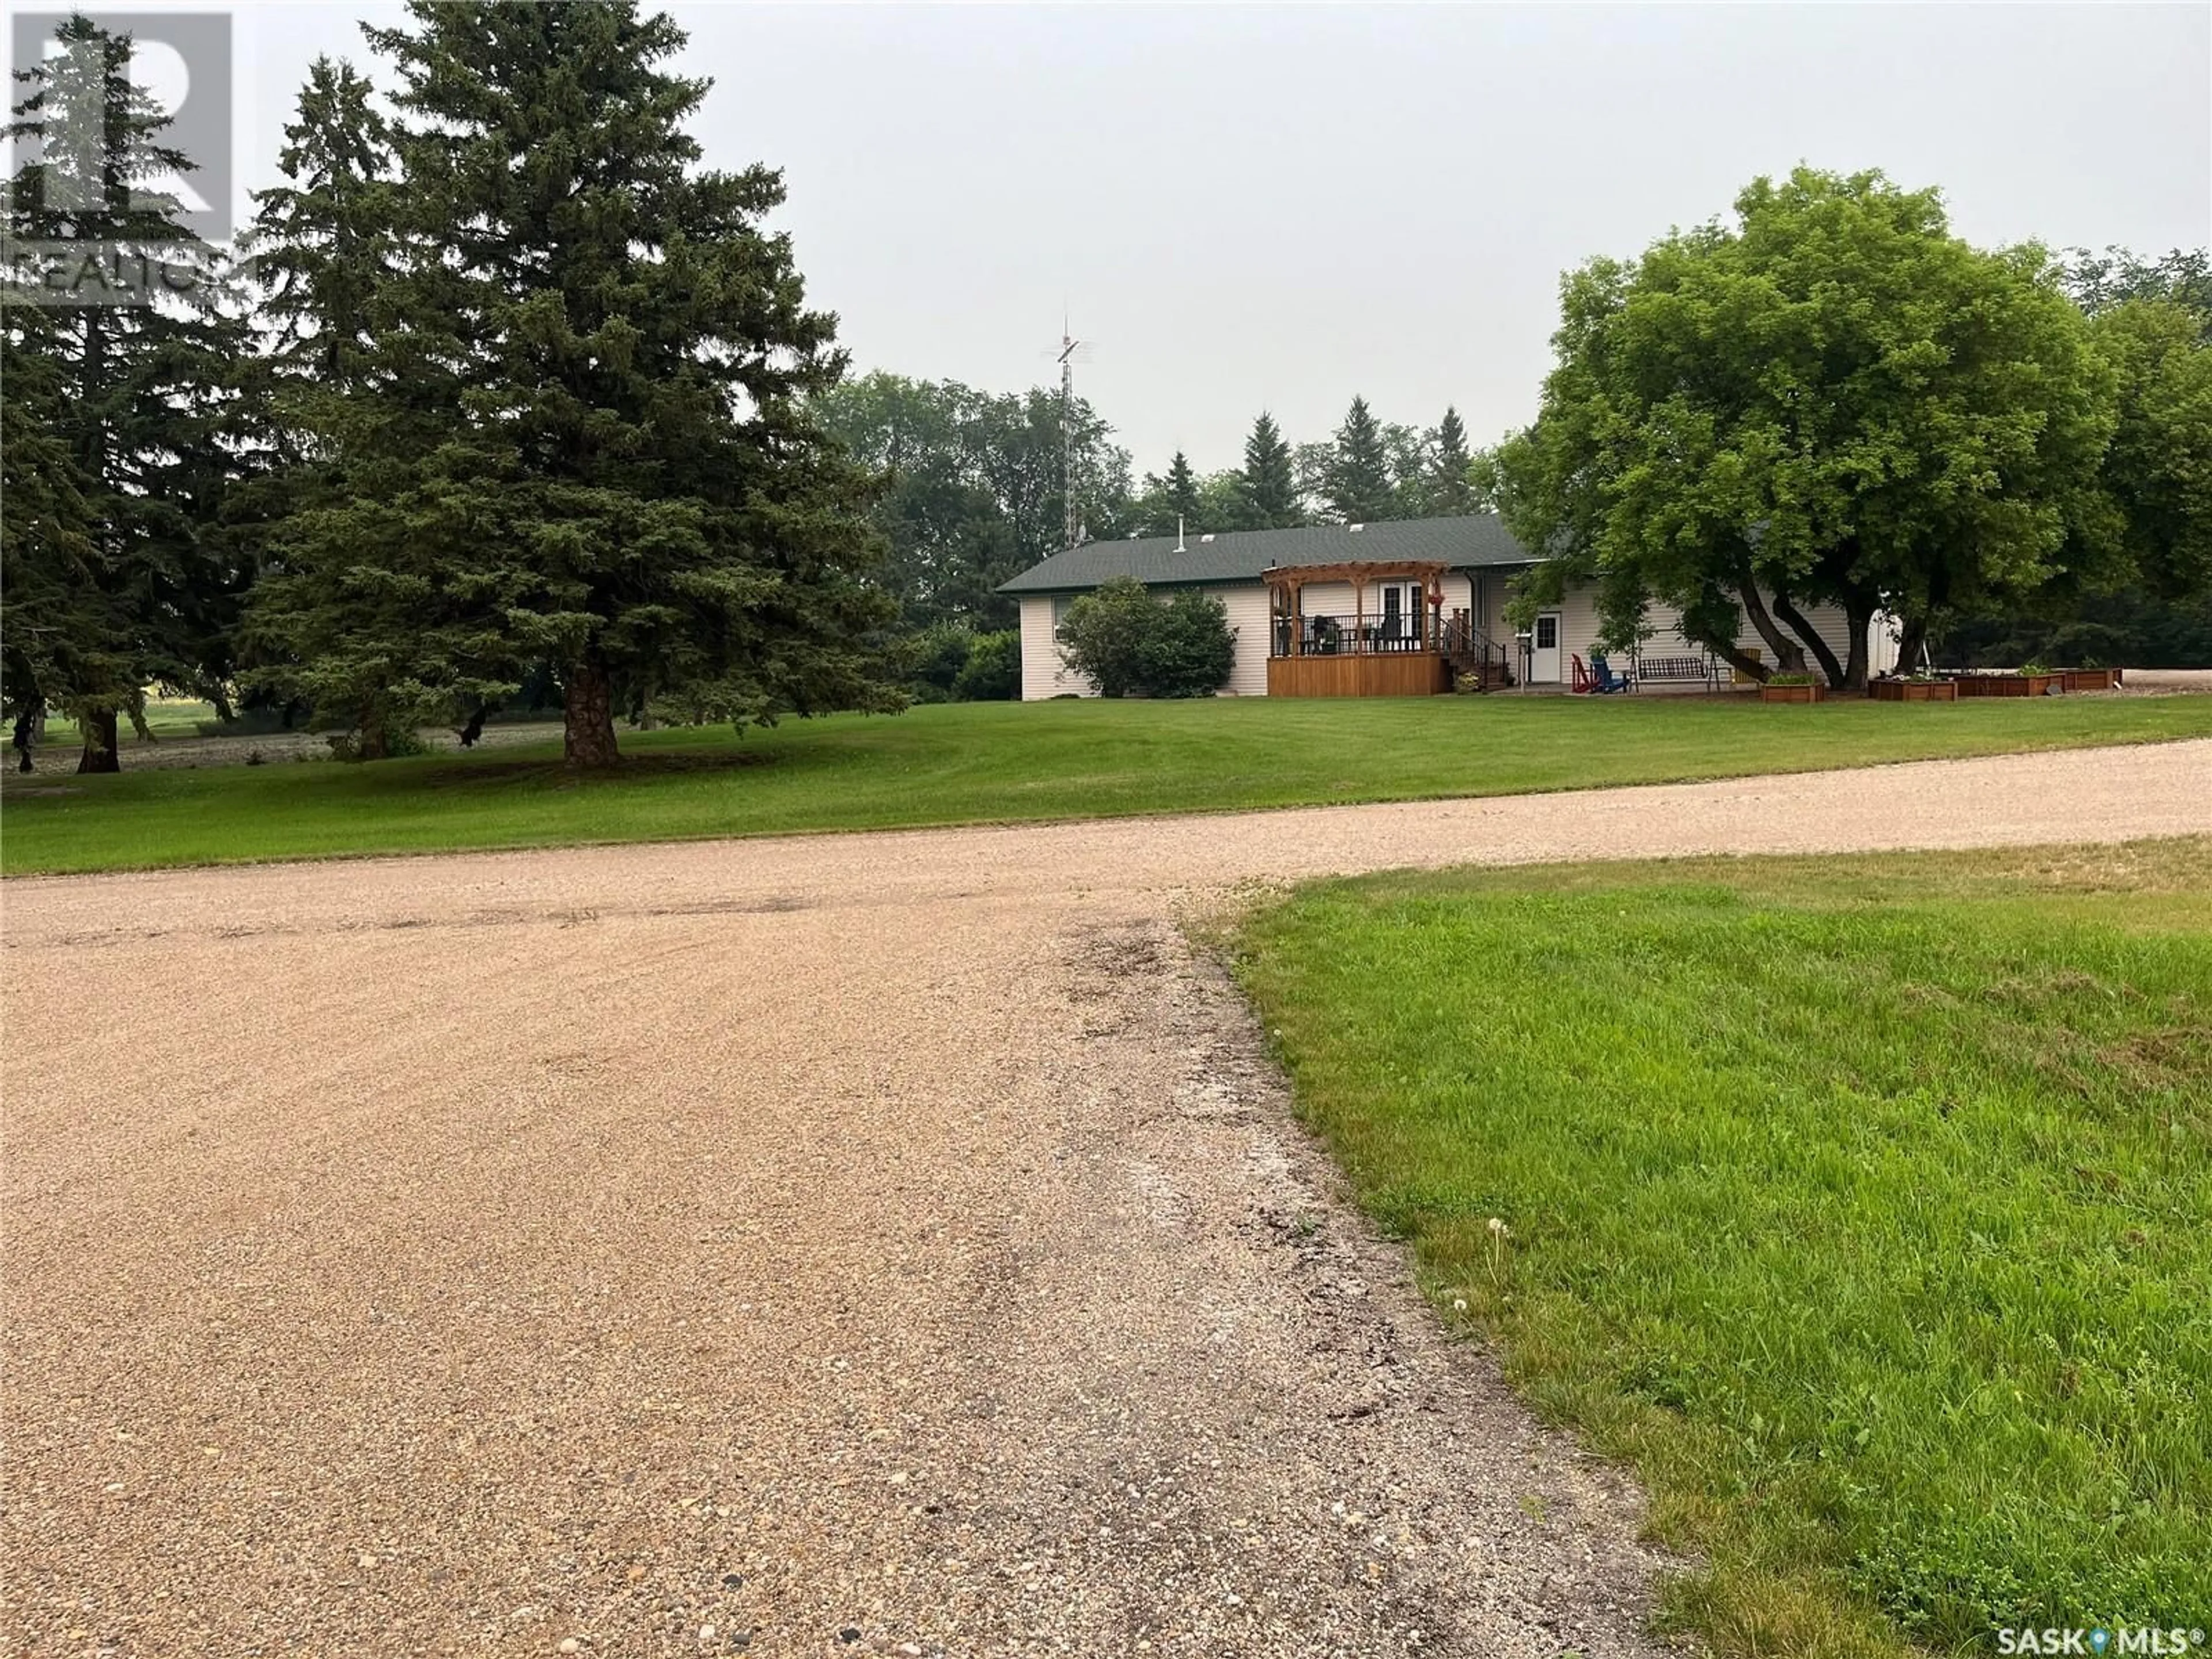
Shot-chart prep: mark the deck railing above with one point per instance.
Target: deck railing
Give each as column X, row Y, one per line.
column 1352, row 636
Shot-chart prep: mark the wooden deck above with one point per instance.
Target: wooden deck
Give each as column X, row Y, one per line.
column 1381, row 674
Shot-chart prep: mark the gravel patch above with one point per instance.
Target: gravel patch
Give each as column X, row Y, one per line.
column 882, row 1245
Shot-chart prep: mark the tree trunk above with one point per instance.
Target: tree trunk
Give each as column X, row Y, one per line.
column 1860, row 662
column 1911, row 642
column 99, row 753
column 587, row 738
column 1742, row 660
column 372, row 736
column 1789, row 657
column 1805, row 631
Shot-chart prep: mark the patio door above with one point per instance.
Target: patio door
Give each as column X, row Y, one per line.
column 1394, row 619
column 1404, row 620
column 1544, row 650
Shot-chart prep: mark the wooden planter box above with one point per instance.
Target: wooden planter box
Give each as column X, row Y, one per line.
column 1913, row 690
column 2089, row 679
column 1815, row 693
column 2007, row 685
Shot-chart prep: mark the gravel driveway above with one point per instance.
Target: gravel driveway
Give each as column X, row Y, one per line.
column 890, row 1243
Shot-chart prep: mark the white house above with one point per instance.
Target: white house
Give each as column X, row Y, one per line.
column 1374, row 609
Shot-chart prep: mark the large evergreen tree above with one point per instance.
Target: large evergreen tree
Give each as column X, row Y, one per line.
column 364, row 641
column 125, row 409
column 65, row 634
column 1359, row 485
column 1451, row 491
column 583, row 434
column 1268, row 482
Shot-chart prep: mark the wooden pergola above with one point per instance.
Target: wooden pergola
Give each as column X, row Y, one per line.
column 1372, row 661
column 1287, row 586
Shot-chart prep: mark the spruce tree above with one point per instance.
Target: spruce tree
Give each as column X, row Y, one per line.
column 364, row 409
column 1179, row 494
column 65, row 633
column 1450, row 491
column 1269, row 483
column 324, row 243
column 585, row 435
column 130, row 408
column 1357, row 484
column 1174, row 500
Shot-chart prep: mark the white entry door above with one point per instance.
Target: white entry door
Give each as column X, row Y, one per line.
column 1544, row 650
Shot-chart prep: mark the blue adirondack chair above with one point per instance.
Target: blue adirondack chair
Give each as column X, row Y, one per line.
column 1607, row 681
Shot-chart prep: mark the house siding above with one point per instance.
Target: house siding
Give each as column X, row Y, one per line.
column 1482, row 593
column 1247, row 614
column 1044, row 675
column 1579, row 627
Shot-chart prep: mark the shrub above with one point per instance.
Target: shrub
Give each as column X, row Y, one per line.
column 1126, row 642
column 400, row 742
column 993, row 672
column 1191, row 648
column 937, row 655
column 1102, row 636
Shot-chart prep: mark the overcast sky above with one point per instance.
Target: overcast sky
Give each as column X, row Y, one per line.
column 1274, row 207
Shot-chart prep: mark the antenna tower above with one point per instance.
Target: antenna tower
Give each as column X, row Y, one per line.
column 1071, row 530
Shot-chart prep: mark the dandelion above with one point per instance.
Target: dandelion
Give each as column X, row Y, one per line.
column 1499, row 1232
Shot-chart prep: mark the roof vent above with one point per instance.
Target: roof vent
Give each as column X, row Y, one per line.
column 1207, row 537
column 1357, row 528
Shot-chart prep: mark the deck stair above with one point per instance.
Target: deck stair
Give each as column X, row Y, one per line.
column 1470, row 653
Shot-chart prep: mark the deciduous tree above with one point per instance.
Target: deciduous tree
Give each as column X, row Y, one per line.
column 2159, row 468
column 972, row 490
column 1833, row 400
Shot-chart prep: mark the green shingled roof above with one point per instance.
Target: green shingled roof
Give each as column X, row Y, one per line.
column 1238, row 555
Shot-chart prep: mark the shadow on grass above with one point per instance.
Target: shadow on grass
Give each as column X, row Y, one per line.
column 556, row 773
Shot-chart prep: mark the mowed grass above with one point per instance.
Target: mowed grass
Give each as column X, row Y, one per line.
column 1863, row 1205
column 166, row 717
column 1006, row 763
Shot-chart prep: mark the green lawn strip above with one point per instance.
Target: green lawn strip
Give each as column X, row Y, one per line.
column 979, row 763
column 165, row 718
column 1864, row 1205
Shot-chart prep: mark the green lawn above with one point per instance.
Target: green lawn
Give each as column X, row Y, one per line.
column 166, row 717
column 1863, row 1205
column 980, row 762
